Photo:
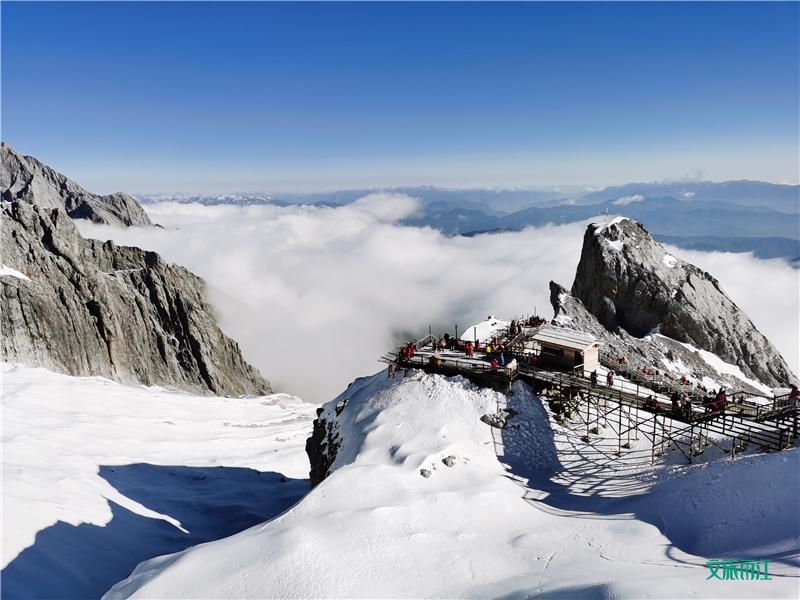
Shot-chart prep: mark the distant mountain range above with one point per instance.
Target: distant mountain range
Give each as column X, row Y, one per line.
column 730, row 216
column 785, row 198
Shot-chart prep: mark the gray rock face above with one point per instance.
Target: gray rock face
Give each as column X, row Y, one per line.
column 25, row 179
column 654, row 352
column 322, row 448
column 629, row 282
column 93, row 308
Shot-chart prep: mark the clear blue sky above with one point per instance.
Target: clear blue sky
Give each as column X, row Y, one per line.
column 150, row 97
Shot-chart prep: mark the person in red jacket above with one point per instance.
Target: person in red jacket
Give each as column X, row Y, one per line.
column 610, row 378
column 722, row 399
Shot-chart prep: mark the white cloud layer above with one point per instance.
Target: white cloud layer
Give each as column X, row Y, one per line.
column 315, row 295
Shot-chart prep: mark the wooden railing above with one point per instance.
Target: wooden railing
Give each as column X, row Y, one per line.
column 462, row 364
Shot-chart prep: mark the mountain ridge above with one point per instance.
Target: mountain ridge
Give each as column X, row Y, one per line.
column 84, row 307
column 26, row 179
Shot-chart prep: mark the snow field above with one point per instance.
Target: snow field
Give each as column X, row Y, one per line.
column 99, row 472
column 377, row 528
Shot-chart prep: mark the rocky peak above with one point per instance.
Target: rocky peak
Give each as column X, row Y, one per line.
column 25, row 179
column 86, row 307
column 629, row 282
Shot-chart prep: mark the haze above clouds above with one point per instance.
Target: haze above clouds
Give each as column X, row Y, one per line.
column 315, row 295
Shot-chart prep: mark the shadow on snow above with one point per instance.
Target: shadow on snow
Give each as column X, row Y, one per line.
column 84, row 561
column 743, row 509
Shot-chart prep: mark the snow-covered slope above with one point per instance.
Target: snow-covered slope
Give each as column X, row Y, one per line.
column 418, row 505
column 98, row 476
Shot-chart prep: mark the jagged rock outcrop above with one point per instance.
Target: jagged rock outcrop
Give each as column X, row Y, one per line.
column 651, row 351
column 25, row 179
column 630, row 283
column 85, row 307
column 321, row 448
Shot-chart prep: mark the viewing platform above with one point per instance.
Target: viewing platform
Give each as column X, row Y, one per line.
column 570, row 365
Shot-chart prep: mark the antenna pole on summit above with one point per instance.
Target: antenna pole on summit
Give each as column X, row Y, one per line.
column 456, row 330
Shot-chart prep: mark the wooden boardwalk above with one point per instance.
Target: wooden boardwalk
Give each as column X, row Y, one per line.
column 769, row 422
column 451, row 363
column 773, row 426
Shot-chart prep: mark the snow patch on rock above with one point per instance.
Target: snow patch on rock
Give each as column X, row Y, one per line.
column 670, row 261
column 9, row 272
column 616, row 245
column 719, row 365
column 600, row 229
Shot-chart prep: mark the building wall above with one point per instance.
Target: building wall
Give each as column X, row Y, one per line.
column 591, row 359
column 554, row 357
column 566, row 358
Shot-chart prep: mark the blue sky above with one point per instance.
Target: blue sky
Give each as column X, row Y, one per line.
column 148, row 97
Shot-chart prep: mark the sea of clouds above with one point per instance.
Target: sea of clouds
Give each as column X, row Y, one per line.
column 315, row 295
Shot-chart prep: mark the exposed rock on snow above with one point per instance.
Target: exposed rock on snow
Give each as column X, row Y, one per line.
column 500, row 418
column 25, row 179
column 92, row 308
column 628, row 281
column 322, row 447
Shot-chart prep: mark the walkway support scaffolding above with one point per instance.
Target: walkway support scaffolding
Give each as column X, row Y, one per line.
column 635, row 406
